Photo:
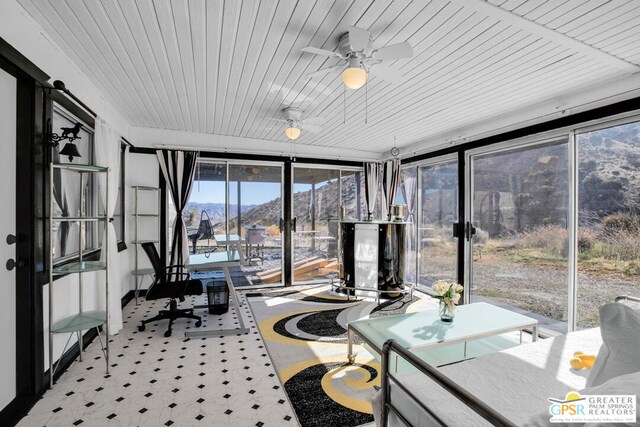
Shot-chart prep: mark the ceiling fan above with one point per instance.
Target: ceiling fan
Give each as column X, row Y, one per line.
column 293, row 117
column 357, row 53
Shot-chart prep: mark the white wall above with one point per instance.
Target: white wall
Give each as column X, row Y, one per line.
column 24, row 34
column 142, row 169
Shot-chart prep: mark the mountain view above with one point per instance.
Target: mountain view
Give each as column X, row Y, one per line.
column 216, row 212
column 608, row 178
column 269, row 213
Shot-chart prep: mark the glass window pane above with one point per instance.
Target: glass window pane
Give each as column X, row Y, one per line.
column 352, row 195
column 73, row 196
column 438, row 211
column 407, row 195
column 118, row 214
column 315, row 206
column 205, row 213
column 255, row 210
column 608, row 218
column 520, row 200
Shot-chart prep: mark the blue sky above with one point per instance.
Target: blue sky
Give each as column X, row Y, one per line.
column 253, row 193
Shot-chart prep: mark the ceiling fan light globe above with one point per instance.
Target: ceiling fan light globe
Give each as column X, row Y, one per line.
column 292, row 133
column 354, row 77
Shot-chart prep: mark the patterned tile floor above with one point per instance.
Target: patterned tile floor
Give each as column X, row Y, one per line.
column 158, row 381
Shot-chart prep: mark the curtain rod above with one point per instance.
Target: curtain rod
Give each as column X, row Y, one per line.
column 59, row 85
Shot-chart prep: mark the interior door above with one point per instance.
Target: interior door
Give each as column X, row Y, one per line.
column 8, row 112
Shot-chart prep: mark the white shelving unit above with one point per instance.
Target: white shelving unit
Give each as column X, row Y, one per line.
column 139, row 272
column 82, row 320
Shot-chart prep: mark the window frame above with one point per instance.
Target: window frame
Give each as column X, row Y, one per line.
column 122, row 242
column 596, row 126
column 90, row 253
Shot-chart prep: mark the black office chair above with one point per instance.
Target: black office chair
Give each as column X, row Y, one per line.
column 170, row 282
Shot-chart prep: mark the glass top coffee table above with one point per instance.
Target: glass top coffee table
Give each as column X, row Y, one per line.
column 424, row 329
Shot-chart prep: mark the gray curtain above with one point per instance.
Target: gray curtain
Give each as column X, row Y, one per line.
column 372, row 174
column 179, row 169
column 390, row 180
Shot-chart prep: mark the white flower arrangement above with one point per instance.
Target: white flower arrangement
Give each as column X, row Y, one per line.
column 447, row 293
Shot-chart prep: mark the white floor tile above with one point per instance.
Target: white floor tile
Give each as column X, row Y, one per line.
column 158, row 381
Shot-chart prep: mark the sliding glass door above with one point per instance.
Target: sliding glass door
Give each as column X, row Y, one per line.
column 438, row 207
column 316, row 201
column 608, row 246
column 541, row 237
column 518, row 243
column 317, row 195
column 244, row 201
column 255, row 211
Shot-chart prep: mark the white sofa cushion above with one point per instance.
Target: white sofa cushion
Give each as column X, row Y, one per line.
column 620, row 351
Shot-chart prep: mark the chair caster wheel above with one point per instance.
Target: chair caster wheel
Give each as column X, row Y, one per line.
column 141, row 328
column 167, row 334
column 198, row 324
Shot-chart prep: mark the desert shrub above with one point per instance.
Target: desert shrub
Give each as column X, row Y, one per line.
column 588, row 238
column 272, row 231
column 585, row 244
column 632, row 269
column 623, row 246
column 551, row 239
column 621, row 223
column 619, row 237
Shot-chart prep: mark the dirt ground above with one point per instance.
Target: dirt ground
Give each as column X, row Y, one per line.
column 538, row 286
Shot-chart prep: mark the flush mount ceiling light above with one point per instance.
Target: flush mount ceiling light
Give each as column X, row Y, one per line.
column 355, row 76
column 295, row 123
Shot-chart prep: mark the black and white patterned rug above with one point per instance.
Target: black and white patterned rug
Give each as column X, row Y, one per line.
column 304, row 330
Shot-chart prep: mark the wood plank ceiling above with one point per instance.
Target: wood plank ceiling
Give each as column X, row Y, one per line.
column 226, row 67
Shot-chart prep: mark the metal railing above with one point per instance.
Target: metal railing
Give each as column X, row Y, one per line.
column 442, row 380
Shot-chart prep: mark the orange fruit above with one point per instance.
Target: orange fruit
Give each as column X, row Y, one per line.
column 588, row 360
column 576, row 363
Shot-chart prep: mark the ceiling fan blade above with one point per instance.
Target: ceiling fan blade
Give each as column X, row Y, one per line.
column 312, row 128
column 277, row 120
column 315, row 121
column 386, row 73
column 321, row 72
column 395, row 51
column 318, row 51
column 359, row 39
